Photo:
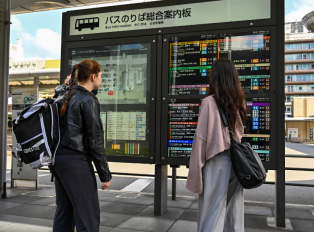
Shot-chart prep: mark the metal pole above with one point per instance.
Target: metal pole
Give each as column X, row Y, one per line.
column 174, row 183
column 280, row 187
column 160, row 192
column 4, row 88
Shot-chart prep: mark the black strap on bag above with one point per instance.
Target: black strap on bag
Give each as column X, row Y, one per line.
column 246, row 163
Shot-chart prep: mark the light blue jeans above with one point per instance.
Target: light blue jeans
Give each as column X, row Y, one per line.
column 221, row 206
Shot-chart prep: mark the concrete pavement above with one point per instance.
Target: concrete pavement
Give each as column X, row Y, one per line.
column 27, row 209
column 33, row 210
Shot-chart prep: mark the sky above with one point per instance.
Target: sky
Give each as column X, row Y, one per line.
column 41, row 31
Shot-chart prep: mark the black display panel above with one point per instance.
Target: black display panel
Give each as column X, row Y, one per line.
column 183, row 120
column 257, row 127
column 191, row 59
column 123, row 96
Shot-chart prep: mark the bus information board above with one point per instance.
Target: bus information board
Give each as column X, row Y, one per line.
column 191, row 59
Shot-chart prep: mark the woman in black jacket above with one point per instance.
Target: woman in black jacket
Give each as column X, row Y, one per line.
column 82, row 141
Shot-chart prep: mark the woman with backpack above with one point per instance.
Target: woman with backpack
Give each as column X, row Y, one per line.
column 211, row 175
column 82, row 141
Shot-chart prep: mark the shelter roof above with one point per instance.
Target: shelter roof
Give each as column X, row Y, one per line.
column 27, row 6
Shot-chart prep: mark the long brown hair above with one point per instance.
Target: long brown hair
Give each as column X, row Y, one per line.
column 84, row 71
column 225, row 84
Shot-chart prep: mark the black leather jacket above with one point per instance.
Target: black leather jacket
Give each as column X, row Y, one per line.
column 82, row 130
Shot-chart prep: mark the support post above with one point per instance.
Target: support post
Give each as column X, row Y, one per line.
column 4, row 88
column 174, row 183
column 160, row 196
column 280, row 213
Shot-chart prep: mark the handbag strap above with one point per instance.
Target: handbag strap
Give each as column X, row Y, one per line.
column 224, row 119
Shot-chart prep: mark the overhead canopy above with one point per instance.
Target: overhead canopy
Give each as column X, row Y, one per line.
column 26, row 6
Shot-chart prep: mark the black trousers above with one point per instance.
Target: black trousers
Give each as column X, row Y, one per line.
column 76, row 195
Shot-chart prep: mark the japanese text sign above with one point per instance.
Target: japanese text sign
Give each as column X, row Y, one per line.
column 171, row 16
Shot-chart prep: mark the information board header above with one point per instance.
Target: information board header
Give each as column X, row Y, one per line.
column 171, row 16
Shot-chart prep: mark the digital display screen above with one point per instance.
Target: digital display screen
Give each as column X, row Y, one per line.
column 191, row 59
column 182, row 124
column 257, row 127
column 123, row 95
column 181, row 128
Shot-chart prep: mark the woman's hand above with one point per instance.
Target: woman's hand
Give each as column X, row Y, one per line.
column 66, row 81
column 105, row 185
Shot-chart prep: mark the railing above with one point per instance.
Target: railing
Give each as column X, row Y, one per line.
column 300, row 36
column 298, row 91
column 296, row 80
column 299, row 69
column 286, row 59
column 299, row 49
column 174, row 176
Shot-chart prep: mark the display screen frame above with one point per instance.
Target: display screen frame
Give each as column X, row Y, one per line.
column 150, row 159
column 168, row 99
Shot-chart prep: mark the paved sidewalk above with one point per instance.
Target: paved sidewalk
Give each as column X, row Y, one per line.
column 33, row 210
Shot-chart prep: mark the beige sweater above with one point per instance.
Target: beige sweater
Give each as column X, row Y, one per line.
column 211, row 138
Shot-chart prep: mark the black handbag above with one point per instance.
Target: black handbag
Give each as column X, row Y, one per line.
column 246, row 163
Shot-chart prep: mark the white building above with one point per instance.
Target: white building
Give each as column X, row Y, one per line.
column 16, row 51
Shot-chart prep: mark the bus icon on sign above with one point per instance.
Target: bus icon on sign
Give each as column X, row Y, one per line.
column 87, row 23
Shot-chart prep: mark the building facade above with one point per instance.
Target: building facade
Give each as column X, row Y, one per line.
column 299, row 68
column 299, row 80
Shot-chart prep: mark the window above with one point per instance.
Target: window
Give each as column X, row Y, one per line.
column 90, row 20
column 306, row 67
column 15, row 66
column 34, row 65
column 28, row 66
column 81, row 21
column 300, row 88
column 95, row 20
column 9, row 67
column 86, row 21
column 22, row 66
column 298, row 47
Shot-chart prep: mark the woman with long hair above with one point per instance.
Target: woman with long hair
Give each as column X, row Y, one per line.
column 211, row 175
column 82, row 141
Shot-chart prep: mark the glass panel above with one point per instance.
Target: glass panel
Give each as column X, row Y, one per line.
column 191, row 59
column 123, row 96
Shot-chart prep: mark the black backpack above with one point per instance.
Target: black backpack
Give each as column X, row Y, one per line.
column 247, row 164
column 37, row 133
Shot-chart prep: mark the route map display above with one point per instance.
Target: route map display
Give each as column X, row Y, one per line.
column 124, row 71
column 191, row 59
column 123, row 95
